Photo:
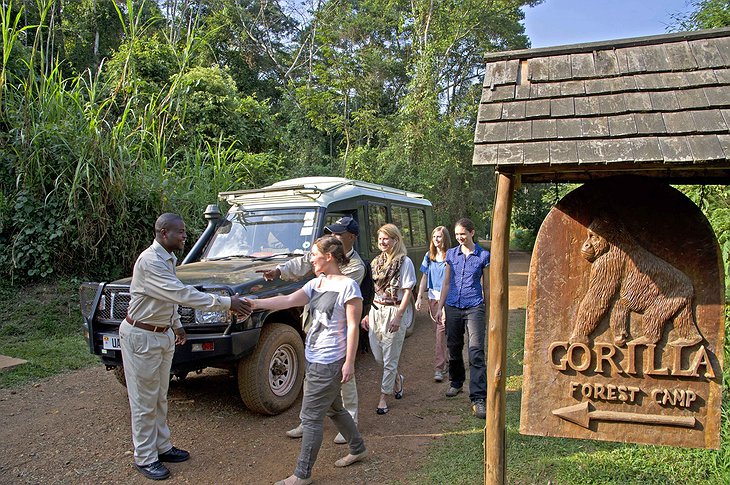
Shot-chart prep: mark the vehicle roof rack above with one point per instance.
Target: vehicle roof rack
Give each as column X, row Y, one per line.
column 306, row 188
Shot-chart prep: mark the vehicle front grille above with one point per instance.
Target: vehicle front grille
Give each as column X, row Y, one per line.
column 115, row 300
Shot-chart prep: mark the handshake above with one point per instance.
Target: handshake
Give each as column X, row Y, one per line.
column 241, row 306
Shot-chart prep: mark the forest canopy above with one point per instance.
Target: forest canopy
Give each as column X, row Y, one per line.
column 113, row 112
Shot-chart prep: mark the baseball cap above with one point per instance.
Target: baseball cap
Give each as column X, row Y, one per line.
column 343, row 224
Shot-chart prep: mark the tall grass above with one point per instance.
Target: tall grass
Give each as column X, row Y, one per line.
column 96, row 158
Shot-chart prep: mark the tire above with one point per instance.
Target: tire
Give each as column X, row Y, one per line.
column 409, row 318
column 270, row 379
column 119, row 374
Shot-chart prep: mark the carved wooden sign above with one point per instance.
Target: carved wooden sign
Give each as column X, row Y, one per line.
column 625, row 319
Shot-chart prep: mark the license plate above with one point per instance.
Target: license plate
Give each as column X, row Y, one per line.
column 111, row 342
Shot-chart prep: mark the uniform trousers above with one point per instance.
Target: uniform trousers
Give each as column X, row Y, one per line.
column 147, row 358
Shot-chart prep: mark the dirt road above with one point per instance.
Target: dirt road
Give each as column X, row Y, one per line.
column 74, row 428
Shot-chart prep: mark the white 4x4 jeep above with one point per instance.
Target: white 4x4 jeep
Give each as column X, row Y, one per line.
column 262, row 228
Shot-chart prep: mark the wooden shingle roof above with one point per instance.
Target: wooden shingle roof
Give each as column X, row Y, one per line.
column 657, row 105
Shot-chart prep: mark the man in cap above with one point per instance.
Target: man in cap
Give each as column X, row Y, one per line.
column 346, row 229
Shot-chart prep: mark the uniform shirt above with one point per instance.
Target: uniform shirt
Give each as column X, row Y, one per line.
column 465, row 283
column 156, row 291
column 327, row 338
column 298, row 268
column 436, row 270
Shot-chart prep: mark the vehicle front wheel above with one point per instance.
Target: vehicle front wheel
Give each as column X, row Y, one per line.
column 270, row 379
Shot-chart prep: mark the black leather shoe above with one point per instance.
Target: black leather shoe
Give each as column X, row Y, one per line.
column 174, row 455
column 154, row 471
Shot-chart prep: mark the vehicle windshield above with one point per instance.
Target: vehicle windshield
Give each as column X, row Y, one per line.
column 263, row 233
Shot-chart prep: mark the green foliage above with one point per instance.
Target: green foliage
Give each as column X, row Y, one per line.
column 714, row 201
column 705, row 14
column 146, row 64
column 91, row 32
column 217, row 95
column 40, row 323
column 90, row 161
column 38, row 234
column 211, row 108
column 522, row 239
column 531, row 205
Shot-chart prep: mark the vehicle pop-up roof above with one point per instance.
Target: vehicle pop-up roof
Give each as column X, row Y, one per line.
column 316, row 191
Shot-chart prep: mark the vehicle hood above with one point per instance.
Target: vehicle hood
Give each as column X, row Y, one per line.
column 234, row 272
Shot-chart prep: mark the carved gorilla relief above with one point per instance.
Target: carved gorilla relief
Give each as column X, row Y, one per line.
column 626, row 278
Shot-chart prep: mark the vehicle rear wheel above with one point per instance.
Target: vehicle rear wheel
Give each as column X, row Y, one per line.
column 270, row 379
column 119, row 374
column 409, row 318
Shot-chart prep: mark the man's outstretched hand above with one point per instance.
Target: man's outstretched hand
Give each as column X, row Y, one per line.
column 270, row 274
column 240, row 306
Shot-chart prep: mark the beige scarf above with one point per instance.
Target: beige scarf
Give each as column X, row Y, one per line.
column 386, row 279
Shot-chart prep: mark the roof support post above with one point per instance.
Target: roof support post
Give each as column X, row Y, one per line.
column 494, row 430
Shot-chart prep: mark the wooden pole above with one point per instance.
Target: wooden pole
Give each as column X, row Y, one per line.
column 494, row 431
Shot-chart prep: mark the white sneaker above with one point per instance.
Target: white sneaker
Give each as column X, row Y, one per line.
column 296, row 432
column 339, row 439
column 438, row 376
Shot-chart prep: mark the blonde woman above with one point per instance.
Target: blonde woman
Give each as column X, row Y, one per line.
column 395, row 277
column 433, row 268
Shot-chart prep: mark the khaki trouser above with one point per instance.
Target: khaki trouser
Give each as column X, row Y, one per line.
column 441, row 351
column 147, row 358
column 385, row 346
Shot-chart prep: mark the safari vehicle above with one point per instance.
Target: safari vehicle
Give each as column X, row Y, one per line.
column 262, row 228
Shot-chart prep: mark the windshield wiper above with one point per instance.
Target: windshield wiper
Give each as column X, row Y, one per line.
column 253, row 258
column 229, row 256
column 271, row 256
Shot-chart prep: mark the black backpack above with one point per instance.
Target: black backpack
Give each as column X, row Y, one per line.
column 367, row 288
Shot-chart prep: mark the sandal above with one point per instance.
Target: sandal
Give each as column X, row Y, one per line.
column 382, row 411
column 399, row 394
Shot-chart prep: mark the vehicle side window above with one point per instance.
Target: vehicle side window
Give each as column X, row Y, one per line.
column 400, row 219
column 332, row 217
column 377, row 217
column 418, row 227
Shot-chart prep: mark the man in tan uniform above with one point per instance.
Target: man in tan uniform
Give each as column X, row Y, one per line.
column 148, row 336
column 346, row 230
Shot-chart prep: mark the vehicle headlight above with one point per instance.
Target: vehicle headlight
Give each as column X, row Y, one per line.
column 213, row 317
